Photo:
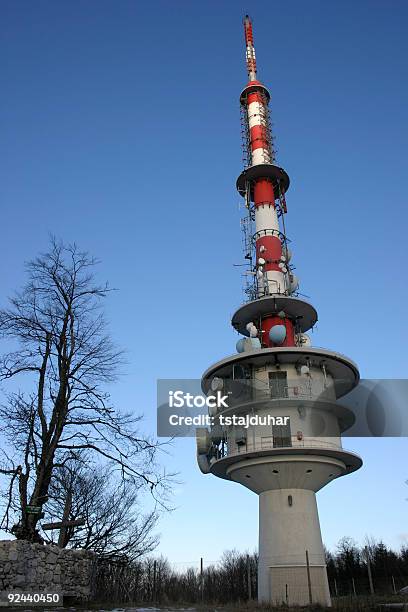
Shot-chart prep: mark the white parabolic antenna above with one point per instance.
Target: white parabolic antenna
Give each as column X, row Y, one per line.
column 203, row 440
column 217, row 384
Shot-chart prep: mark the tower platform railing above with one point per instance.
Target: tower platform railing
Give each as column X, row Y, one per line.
column 267, row 443
column 252, row 390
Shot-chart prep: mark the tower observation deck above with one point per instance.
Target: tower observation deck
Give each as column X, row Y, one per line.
column 291, row 446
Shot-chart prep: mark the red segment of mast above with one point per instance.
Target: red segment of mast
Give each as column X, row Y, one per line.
column 250, row 50
column 270, row 322
column 263, row 192
column 249, row 36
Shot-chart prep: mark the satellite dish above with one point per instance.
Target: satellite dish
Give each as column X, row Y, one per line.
column 249, row 325
column 217, row 384
column 252, row 330
column 256, row 343
column 277, row 334
column 203, row 440
column 262, row 249
column 304, row 370
column 240, row 345
column 203, row 464
column 261, row 261
column 281, row 314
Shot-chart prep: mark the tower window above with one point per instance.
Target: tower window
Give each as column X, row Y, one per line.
column 281, row 436
column 278, row 384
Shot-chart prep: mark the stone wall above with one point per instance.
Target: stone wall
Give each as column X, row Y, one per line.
column 36, row 568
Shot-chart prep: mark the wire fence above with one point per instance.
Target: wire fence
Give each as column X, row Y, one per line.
column 234, row 578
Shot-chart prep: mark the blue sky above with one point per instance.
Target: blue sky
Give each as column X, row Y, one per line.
column 120, row 131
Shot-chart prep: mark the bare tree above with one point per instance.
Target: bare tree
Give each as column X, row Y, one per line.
column 114, row 526
column 63, row 356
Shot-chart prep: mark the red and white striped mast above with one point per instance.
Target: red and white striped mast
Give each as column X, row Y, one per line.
column 263, row 184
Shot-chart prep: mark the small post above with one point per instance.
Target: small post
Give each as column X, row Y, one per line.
column 286, row 594
column 154, row 580
column 335, row 588
column 202, row 579
column 354, row 587
column 309, row 583
column 65, row 517
column 370, row 577
column 249, row 579
column 393, row 585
